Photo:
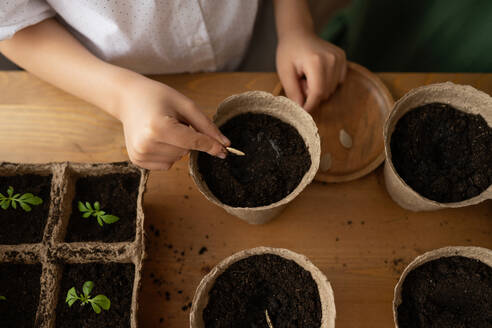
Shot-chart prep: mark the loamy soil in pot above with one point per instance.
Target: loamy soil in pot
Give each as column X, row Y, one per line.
column 20, row 226
column 442, row 153
column 19, row 294
column 114, row 280
column 448, row 292
column 276, row 160
column 117, row 195
column 243, row 293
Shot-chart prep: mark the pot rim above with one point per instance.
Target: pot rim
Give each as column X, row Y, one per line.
column 481, row 254
column 314, row 153
column 396, row 114
column 200, row 299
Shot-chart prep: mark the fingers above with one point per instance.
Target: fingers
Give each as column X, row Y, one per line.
column 202, row 123
column 169, row 130
column 291, row 83
column 338, row 69
column 344, row 68
column 323, row 74
column 316, row 82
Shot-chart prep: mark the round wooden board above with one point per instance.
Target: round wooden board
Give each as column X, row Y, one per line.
column 359, row 106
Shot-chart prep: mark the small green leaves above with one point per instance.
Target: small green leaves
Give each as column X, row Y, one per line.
column 87, row 287
column 95, row 211
column 98, row 302
column 71, row 296
column 24, row 200
column 3, row 298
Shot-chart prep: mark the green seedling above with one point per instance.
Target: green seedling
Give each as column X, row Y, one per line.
column 24, row 200
column 97, row 302
column 96, row 212
column 3, row 298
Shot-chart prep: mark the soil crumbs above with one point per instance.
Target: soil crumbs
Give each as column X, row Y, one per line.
column 249, row 287
column 443, row 153
column 275, row 162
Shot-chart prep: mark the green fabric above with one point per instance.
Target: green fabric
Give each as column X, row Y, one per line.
column 416, row 35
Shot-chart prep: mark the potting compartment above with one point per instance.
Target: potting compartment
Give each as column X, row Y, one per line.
column 39, row 275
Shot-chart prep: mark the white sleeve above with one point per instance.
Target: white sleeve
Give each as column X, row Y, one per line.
column 18, row 14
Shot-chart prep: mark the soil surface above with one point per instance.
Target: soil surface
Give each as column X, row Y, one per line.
column 114, row 280
column 117, row 194
column 20, row 284
column 447, row 292
column 19, row 226
column 269, row 282
column 442, row 153
column 275, row 162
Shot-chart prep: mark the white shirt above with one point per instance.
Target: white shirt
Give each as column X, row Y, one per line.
column 148, row 36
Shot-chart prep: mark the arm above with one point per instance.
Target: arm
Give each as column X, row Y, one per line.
column 309, row 68
column 155, row 117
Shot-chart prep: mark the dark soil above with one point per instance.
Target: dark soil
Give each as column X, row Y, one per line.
column 448, row 292
column 269, row 282
column 117, row 194
column 20, row 284
column 275, row 162
column 442, row 153
column 114, row 280
column 19, row 226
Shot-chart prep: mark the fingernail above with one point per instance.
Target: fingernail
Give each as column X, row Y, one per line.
column 221, row 155
column 225, row 141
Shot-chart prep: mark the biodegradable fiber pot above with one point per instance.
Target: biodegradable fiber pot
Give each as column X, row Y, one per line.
column 283, row 109
column 484, row 255
column 461, row 97
column 200, row 300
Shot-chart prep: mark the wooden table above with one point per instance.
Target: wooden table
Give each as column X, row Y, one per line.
column 353, row 231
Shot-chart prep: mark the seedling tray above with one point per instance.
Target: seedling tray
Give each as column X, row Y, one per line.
column 54, row 254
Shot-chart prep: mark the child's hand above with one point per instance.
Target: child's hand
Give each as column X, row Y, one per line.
column 156, row 121
column 309, row 68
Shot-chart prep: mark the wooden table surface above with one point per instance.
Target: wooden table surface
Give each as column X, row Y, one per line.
column 352, row 231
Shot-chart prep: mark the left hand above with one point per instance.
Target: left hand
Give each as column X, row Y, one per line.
column 309, row 68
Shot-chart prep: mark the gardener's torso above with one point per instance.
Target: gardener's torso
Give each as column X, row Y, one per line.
column 151, row 36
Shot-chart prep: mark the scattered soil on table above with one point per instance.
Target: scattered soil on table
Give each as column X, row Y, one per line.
column 250, row 286
column 442, row 153
column 19, row 226
column 448, row 292
column 275, row 162
column 115, row 280
column 117, row 194
column 20, row 284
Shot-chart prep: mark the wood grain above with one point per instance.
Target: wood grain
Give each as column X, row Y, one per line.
column 352, row 231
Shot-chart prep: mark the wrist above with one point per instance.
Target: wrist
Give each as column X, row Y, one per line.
column 293, row 19
column 120, row 84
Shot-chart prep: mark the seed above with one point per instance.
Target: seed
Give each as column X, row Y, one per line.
column 345, row 139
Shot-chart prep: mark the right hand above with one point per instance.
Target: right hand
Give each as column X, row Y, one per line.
column 161, row 126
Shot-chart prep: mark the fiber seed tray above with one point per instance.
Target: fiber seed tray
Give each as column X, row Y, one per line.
column 52, row 251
